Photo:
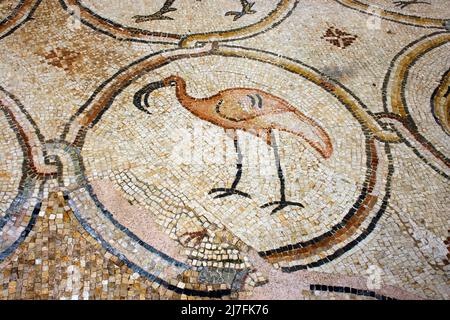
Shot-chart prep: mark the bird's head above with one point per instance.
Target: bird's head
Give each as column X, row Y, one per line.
column 172, row 81
column 141, row 97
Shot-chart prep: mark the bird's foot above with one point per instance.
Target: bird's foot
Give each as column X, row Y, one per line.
column 237, row 15
column 226, row 192
column 406, row 3
column 280, row 205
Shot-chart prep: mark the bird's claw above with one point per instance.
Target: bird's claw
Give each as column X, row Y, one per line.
column 405, row 3
column 281, row 205
column 228, row 192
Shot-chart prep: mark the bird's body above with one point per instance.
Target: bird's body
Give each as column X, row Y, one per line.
column 256, row 112
column 250, row 110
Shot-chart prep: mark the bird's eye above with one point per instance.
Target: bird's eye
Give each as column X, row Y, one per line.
column 173, row 83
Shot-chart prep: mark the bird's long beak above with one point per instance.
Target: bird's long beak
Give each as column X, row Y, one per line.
column 140, row 99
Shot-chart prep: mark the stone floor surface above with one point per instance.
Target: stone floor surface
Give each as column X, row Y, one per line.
column 224, row 149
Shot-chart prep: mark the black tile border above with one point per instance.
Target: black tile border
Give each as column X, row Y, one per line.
column 349, row 290
column 24, row 234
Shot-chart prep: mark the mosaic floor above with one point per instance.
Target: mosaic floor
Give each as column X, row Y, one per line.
column 226, row 149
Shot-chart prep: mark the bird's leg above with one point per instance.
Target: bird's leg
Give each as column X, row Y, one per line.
column 159, row 15
column 246, row 9
column 282, row 203
column 232, row 190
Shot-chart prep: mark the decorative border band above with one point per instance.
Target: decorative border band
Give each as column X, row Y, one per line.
column 20, row 15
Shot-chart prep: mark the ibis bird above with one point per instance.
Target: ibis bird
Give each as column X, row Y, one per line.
column 250, row 110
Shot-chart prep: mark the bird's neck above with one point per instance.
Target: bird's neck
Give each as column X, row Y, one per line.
column 185, row 99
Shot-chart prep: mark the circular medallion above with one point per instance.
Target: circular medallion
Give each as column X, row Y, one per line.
column 326, row 199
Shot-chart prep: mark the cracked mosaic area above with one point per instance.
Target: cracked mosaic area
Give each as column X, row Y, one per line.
column 227, row 149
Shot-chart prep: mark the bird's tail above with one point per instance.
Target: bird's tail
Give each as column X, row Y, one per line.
column 310, row 131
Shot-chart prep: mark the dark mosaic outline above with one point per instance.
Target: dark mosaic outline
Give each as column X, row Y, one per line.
column 349, row 290
column 433, row 96
column 14, row 13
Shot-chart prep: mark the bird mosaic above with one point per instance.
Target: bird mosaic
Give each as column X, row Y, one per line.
column 250, row 110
